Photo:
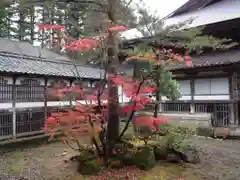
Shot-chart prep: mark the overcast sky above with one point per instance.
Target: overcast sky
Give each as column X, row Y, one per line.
column 160, row 8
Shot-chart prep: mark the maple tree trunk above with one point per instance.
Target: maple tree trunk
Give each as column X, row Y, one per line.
column 156, row 107
column 158, row 98
column 113, row 125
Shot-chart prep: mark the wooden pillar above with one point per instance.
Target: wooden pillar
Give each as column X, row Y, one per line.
column 14, row 117
column 160, row 105
column 71, row 95
column 192, row 105
column 232, row 108
column 231, row 114
column 45, row 99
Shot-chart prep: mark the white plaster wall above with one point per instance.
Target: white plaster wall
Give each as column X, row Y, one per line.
column 212, row 97
column 58, row 103
column 5, row 105
column 39, row 104
column 9, row 79
column 29, row 104
column 184, row 87
column 182, row 98
column 122, row 97
column 221, row 11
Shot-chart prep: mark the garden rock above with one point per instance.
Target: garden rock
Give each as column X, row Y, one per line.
column 173, row 158
column 128, row 158
column 145, row 158
column 189, row 154
column 117, row 165
column 160, row 153
column 205, row 131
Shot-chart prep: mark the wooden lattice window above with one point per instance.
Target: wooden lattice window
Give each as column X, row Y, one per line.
column 52, row 87
column 30, row 90
column 5, row 90
column 57, row 84
column 30, row 120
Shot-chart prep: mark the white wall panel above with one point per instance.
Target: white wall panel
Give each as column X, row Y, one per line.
column 219, row 86
column 202, row 86
column 212, row 97
column 184, row 87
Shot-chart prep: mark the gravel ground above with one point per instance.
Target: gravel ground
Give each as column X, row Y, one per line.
column 220, row 160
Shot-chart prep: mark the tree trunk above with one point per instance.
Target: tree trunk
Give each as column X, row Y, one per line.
column 158, row 97
column 158, row 78
column 113, row 127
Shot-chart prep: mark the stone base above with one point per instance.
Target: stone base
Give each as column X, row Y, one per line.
column 190, row 120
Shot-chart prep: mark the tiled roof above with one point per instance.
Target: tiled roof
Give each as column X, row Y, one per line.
column 39, row 66
column 22, row 57
column 27, row 49
column 205, row 60
column 213, row 59
column 190, row 5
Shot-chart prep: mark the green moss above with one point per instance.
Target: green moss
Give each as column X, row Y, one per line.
column 91, row 167
column 86, row 156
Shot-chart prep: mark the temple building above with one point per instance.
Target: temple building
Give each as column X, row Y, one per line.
column 26, row 72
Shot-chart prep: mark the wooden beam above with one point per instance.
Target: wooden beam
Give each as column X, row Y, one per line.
column 14, row 115
column 45, row 98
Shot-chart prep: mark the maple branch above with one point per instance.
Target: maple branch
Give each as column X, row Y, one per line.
column 80, row 148
column 133, row 111
column 128, row 4
column 71, row 146
column 93, row 138
column 71, row 1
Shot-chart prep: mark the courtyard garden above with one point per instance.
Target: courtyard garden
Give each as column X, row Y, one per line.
column 90, row 140
column 219, row 159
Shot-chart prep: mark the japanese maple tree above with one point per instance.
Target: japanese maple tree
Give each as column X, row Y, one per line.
column 87, row 118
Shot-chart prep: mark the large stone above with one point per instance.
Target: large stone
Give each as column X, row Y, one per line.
column 189, row 154
column 128, row 158
column 160, row 153
column 221, row 132
column 174, row 158
column 205, row 131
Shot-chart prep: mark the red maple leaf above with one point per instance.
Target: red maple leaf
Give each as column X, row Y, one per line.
column 188, row 61
column 49, row 26
column 83, row 44
column 118, row 28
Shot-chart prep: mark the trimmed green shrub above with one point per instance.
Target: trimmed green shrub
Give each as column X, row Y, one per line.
column 145, row 158
column 174, row 137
